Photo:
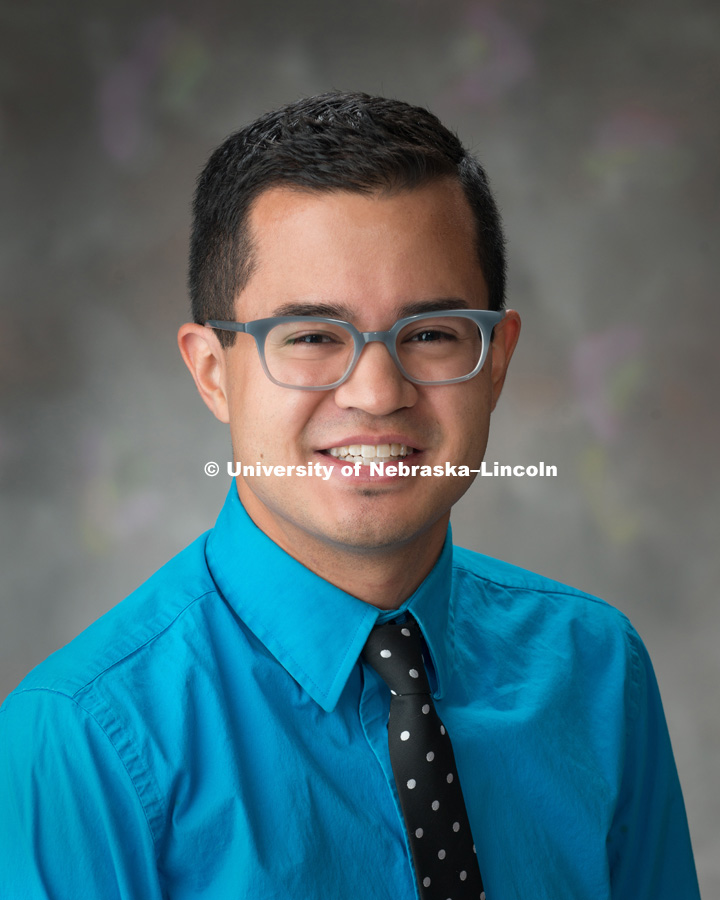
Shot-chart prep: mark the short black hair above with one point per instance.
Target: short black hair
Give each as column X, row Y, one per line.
column 338, row 141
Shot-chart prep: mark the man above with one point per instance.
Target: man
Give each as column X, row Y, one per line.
column 223, row 733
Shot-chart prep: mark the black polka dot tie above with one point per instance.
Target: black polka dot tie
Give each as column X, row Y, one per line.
column 423, row 764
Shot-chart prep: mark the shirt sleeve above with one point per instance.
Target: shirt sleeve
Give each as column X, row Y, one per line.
column 71, row 823
column 649, row 848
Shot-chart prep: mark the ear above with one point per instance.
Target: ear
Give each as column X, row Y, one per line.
column 502, row 348
column 205, row 357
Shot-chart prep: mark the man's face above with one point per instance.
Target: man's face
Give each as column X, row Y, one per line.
column 370, row 258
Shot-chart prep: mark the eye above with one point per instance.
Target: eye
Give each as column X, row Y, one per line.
column 431, row 335
column 314, row 338
column 305, row 336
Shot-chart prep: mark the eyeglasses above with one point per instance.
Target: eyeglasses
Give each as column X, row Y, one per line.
column 312, row 353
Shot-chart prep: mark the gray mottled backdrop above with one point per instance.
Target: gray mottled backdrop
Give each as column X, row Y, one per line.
column 598, row 122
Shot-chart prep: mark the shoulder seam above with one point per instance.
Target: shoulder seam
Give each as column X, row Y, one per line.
column 73, row 690
column 560, row 589
column 636, row 673
column 139, row 647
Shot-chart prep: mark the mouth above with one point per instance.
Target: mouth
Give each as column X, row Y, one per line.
column 370, row 453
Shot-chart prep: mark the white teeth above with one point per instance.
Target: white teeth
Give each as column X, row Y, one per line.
column 367, row 453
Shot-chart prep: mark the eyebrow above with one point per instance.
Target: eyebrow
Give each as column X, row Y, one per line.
column 438, row 305
column 340, row 311
column 329, row 310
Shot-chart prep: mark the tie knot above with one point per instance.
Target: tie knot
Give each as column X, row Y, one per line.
column 396, row 654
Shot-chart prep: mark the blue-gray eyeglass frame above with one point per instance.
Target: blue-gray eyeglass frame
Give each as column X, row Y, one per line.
column 485, row 319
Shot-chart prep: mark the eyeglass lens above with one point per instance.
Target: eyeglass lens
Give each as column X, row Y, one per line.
column 313, row 354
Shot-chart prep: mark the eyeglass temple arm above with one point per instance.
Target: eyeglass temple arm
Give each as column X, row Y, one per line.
column 226, row 326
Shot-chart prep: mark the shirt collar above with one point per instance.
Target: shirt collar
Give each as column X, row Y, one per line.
column 314, row 629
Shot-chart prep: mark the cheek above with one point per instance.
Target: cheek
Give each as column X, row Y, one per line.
column 266, row 419
column 473, row 436
column 464, row 411
column 248, row 403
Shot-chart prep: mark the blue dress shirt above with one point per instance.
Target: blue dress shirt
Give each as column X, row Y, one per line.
column 216, row 736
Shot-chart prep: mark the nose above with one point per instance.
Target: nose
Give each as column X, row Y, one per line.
column 376, row 385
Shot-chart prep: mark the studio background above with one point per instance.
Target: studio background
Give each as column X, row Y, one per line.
column 598, row 124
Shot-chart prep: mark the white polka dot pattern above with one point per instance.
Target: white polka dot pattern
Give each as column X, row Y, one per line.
column 423, row 764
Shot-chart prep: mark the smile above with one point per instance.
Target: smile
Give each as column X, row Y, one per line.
column 370, row 453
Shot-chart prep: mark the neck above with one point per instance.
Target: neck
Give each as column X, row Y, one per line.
column 383, row 576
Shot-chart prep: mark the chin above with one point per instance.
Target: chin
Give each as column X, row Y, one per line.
column 372, row 532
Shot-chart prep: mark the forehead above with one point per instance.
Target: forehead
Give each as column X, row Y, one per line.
column 375, row 249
